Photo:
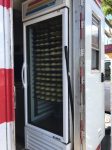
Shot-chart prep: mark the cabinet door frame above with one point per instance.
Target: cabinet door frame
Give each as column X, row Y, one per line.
column 64, row 13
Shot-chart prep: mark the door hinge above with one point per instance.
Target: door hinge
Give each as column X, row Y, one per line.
column 82, row 24
column 82, row 52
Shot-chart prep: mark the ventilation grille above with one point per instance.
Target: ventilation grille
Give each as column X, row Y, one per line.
column 38, row 141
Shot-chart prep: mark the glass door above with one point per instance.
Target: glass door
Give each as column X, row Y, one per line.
column 46, row 76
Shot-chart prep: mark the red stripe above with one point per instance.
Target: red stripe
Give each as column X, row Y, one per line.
column 6, row 3
column 2, row 97
column 6, row 95
column 10, row 94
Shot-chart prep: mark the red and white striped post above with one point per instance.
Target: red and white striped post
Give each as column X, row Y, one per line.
column 7, row 127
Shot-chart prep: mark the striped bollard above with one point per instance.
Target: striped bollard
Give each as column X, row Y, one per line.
column 7, row 127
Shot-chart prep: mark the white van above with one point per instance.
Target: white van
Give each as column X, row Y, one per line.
column 108, row 72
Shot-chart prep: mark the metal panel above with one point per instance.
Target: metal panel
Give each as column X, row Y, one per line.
column 34, row 141
column 75, row 23
column 44, row 7
column 94, row 88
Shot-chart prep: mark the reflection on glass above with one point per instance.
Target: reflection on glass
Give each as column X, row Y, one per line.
column 44, row 56
column 95, row 43
column 95, row 33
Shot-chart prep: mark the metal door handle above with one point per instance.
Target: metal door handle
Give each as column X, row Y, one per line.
column 102, row 77
column 69, row 82
column 22, row 74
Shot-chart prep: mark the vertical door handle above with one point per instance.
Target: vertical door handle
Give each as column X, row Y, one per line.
column 102, row 77
column 69, row 82
column 22, row 74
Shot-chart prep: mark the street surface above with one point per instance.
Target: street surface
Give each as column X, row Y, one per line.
column 106, row 143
